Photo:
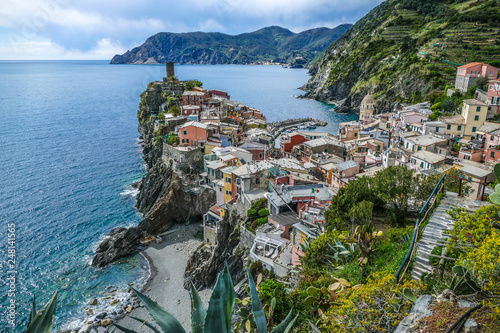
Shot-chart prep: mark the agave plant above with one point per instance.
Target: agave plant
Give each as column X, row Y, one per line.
column 42, row 321
column 495, row 196
column 215, row 319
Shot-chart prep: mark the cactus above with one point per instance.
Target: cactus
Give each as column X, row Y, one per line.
column 217, row 318
column 495, row 196
column 41, row 321
column 462, row 283
column 409, row 295
column 325, row 297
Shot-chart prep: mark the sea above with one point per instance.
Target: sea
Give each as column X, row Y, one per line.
column 69, row 154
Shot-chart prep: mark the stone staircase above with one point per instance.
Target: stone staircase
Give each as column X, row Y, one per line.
column 434, row 232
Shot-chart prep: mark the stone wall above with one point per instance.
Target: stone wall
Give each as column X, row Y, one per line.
column 192, row 157
column 246, row 237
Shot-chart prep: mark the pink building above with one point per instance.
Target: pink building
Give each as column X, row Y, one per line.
column 493, row 94
column 193, row 133
column 191, row 111
column 343, row 173
column 219, row 93
column 467, row 75
column 193, row 98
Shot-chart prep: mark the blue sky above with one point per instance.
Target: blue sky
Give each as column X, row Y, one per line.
column 99, row 29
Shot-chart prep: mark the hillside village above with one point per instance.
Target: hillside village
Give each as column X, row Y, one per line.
column 283, row 190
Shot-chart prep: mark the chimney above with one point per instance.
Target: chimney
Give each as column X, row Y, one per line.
column 170, row 68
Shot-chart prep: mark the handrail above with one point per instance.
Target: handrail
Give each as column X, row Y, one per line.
column 422, row 215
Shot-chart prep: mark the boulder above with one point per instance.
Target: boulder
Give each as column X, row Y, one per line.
column 93, row 302
column 106, row 322
column 419, row 310
column 470, row 326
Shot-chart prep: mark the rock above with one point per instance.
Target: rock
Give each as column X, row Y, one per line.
column 470, row 326
column 121, row 243
column 106, row 322
column 101, row 315
column 129, row 308
column 90, row 312
column 113, row 301
column 419, row 310
column 466, row 304
column 102, row 329
column 85, row 329
column 93, row 302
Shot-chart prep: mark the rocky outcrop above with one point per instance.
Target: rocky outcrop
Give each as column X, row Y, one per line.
column 207, row 262
column 420, row 309
column 164, row 202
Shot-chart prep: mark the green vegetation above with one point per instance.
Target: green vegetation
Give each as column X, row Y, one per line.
column 402, row 50
column 257, row 214
column 270, row 44
column 217, row 318
column 189, row 85
column 175, row 110
column 173, row 139
column 42, row 321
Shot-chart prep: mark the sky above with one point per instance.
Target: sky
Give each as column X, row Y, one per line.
column 99, row 29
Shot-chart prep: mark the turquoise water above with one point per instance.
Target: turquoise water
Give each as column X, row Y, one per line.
column 68, row 141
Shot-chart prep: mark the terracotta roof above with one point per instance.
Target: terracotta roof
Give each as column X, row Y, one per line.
column 472, row 64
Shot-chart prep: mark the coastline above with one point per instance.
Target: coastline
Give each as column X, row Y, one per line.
column 167, row 262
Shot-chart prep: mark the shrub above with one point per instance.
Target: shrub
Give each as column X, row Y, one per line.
column 255, row 268
column 263, row 212
column 271, row 288
column 251, row 212
column 377, row 306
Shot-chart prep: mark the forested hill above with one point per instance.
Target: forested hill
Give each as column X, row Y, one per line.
column 272, row 44
column 404, row 49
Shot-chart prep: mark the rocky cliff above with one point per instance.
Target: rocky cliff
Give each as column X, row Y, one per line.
column 403, row 50
column 207, row 262
column 271, row 44
column 162, row 199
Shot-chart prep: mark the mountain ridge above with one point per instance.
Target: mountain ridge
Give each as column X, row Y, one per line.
column 403, row 50
column 272, row 44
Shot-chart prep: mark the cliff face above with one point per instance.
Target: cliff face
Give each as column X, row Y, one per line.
column 402, row 50
column 206, row 263
column 162, row 199
column 271, row 44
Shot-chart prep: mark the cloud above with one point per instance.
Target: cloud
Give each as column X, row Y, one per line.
column 104, row 49
column 83, row 28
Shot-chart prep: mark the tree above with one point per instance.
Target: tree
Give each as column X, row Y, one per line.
column 361, row 213
column 395, row 185
column 175, row 110
column 189, row 85
column 172, row 79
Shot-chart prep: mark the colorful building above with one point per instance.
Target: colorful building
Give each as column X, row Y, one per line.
column 467, row 75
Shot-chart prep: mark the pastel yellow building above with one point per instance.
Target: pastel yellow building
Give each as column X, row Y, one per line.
column 228, row 183
column 474, row 113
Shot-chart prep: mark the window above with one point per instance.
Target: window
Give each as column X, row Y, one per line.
column 473, row 130
column 257, row 180
column 492, row 154
column 437, row 129
column 421, row 164
column 184, row 132
column 459, row 127
column 229, row 192
column 448, row 127
column 492, row 138
column 476, row 118
column 419, row 148
column 228, row 180
column 478, row 108
column 260, row 155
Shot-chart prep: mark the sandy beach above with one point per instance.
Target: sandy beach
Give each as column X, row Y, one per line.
column 168, row 261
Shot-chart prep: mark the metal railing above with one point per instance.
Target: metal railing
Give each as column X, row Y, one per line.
column 429, row 205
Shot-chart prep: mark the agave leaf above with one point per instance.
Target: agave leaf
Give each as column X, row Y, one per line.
column 258, row 313
column 228, row 296
column 281, row 328
column 33, row 310
column 198, row 312
column 216, row 314
column 44, row 319
column 163, row 318
column 290, row 325
column 273, row 303
column 124, row 329
column 313, row 327
column 145, row 322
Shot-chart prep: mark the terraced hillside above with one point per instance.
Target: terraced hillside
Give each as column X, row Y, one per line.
column 402, row 50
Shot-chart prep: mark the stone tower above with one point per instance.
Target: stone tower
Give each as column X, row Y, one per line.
column 170, row 68
column 367, row 106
